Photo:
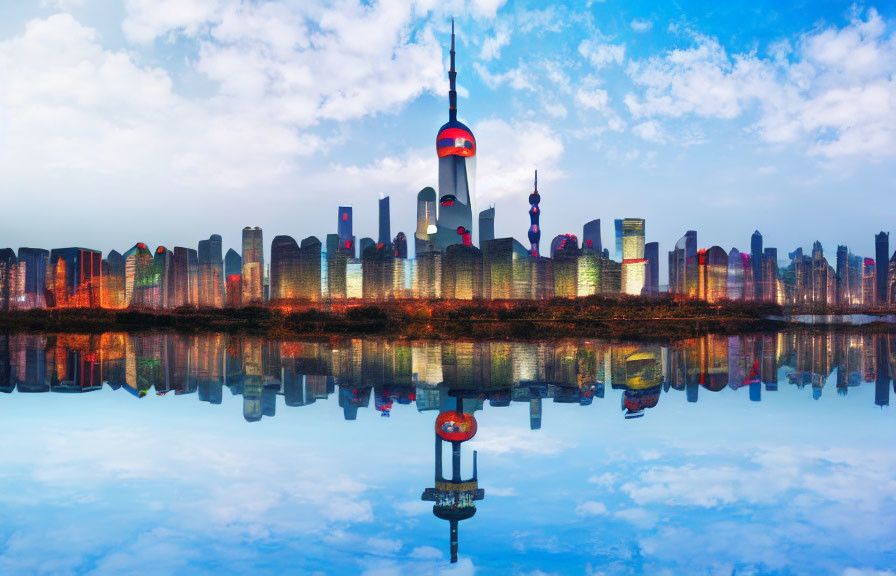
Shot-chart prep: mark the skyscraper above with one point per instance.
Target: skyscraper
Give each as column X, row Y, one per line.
column 843, row 276
column 881, row 265
column 652, row 256
column 634, row 272
column 617, row 226
column 35, row 260
column 233, row 274
column 285, row 268
column 344, row 230
column 591, row 236
column 211, row 272
column 534, row 216
column 756, row 257
column 310, row 269
column 486, row 225
column 425, row 235
column 253, row 266
column 74, row 278
column 385, row 235
column 456, row 148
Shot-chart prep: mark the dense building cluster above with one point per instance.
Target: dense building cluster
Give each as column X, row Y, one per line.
column 446, row 263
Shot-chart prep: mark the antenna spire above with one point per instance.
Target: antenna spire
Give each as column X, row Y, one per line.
column 452, row 76
column 536, row 179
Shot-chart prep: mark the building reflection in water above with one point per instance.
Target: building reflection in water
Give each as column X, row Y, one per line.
column 452, row 378
column 383, row 374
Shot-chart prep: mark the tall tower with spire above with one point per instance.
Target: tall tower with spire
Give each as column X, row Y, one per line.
column 456, row 148
column 534, row 214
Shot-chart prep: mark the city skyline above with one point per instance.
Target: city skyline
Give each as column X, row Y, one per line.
column 632, row 73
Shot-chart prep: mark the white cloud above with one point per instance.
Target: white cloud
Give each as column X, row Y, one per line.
column 596, row 99
column 637, row 516
column 641, row 25
column 591, row 508
column 834, row 91
column 491, row 47
column 650, row 131
column 510, row 154
column 602, row 54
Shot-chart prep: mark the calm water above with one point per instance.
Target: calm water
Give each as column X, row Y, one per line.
column 216, row 454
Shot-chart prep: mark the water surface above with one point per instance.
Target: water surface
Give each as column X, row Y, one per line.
column 219, row 454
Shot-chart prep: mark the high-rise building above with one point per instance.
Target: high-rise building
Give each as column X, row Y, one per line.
column 591, row 236
column 385, row 235
column 770, row 278
column 425, row 235
column 400, row 246
column 756, row 257
column 310, row 269
column 652, row 257
column 186, row 277
column 138, row 270
column 114, row 281
column 344, row 230
column 211, row 272
column 683, row 274
column 713, row 273
column 462, row 270
column 253, row 266
column 74, row 278
column 35, row 261
column 534, row 218
column 565, row 255
column 617, row 228
column 881, row 265
column 8, row 263
column 842, row 271
column 285, row 268
column 486, row 225
column 505, row 270
column 634, row 266
column 869, row 282
column 456, row 149
column 162, row 285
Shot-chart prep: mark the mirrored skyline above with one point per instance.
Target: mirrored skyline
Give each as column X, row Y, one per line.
column 790, row 475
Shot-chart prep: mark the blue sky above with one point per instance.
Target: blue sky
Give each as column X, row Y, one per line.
column 164, row 122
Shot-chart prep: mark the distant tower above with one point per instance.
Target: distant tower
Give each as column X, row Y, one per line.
column 534, row 215
column 591, row 236
column 344, row 230
column 486, row 225
column 617, row 225
column 881, row 264
column 756, row 259
column 253, row 265
column 456, row 148
column 385, row 235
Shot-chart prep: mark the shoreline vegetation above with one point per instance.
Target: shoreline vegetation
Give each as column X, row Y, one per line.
column 628, row 318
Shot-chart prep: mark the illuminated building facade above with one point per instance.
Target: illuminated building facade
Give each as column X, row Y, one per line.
column 346, row 243
column 310, row 265
column 185, row 290
column 462, row 272
column 683, row 266
column 74, row 278
column 456, row 148
column 285, row 268
column 565, row 256
column 114, row 279
column 506, row 270
column 36, row 261
column 425, row 234
column 253, row 266
column 713, row 274
column 634, row 265
column 211, row 272
column 8, row 262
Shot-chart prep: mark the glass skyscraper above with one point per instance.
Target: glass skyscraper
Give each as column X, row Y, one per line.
column 253, row 266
